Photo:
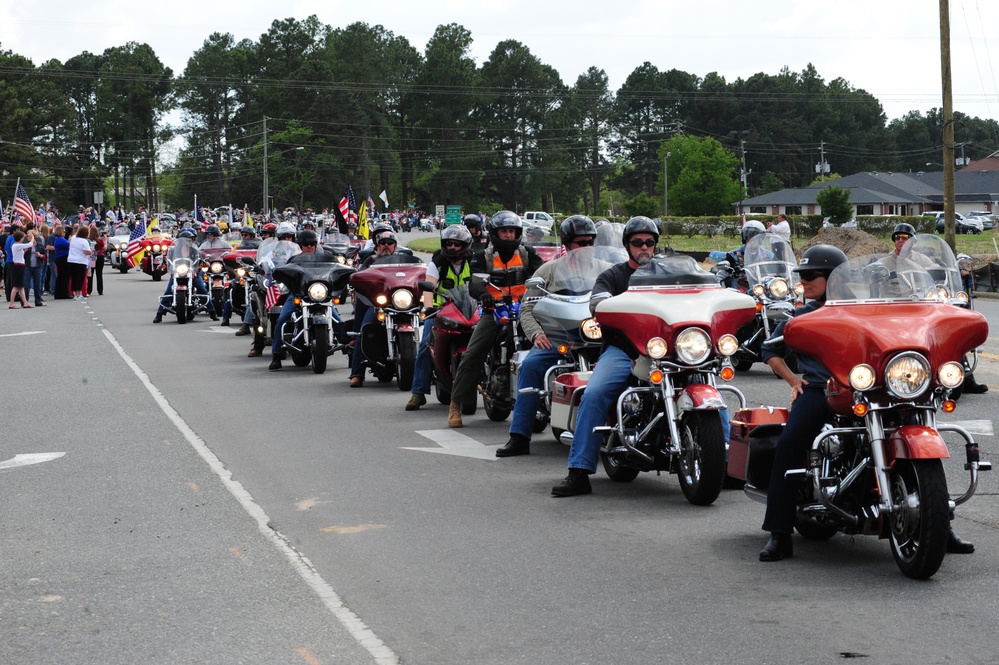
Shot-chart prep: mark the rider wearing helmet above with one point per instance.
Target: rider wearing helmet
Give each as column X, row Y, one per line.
column 509, row 265
column 213, row 239
column 577, row 231
column 750, row 229
column 385, row 243
column 268, row 231
column 198, row 279
column 248, row 238
column 613, row 369
column 449, row 267
column 474, row 225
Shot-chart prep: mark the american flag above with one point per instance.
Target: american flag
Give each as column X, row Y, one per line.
column 134, row 245
column 22, row 204
column 348, row 205
column 272, row 295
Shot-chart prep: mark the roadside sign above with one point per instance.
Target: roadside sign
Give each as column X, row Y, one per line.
column 453, row 215
column 439, row 212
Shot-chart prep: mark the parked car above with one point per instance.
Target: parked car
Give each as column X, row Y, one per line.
column 984, row 217
column 849, row 224
column 961, row 224
column 542, row 219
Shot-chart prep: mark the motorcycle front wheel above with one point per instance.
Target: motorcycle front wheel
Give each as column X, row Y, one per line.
column 920, row 525
column 701, row 464
column 320, row 348
column 407, row 359
column 157, row 276
column 181, row 310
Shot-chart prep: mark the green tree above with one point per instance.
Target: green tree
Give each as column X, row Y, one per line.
column 835, row 204
column 588, row 115
column 642, row 204
column 703, row 176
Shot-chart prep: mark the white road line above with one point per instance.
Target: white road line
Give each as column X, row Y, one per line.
column 25, row 459
column 381, row 653
column 27, row 332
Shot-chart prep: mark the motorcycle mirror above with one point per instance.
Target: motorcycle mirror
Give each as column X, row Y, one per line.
column 246, row 260
column 480, row 278
column 425, row 285
column 534, row 283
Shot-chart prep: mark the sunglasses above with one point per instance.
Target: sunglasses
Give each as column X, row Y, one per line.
column 308, row 244
column 903, row 236
column 453, row 245
column 642, row 243
column 810, row 275
column 583, row 243
column 386, row 242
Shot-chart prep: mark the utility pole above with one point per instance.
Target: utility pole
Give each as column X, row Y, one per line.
column 666, row 185
column 948, row 123
column 267, row 211
column 739, row 134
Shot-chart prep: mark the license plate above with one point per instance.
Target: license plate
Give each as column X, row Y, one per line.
column 181, row 287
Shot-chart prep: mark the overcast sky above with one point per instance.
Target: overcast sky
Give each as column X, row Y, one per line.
column 890, row 48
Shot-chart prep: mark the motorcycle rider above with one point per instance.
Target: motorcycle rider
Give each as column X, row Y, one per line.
column 577, row 231
column 809, row 411
column 749, row 229
column 213, row 239
column 509, row 264
column 248, row 238
column 199, row 282
column 480, row 240
column 448, row 267
column 385, row 244
column 276, row 255
column 610, row 376
column 269, row 230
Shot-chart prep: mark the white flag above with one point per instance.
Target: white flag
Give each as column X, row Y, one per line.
column 384, row 197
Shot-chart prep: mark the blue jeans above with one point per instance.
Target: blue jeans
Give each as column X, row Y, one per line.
column 51, row 275
column 532, row 375
column 367, row 315
column 33, row 277
column 608, row 381
column 199, row 286
column 423, row 371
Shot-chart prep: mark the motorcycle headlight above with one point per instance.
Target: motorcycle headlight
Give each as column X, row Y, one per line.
column 728, row 345
column 656, row 347
column 937, row 292
column 779, row 289
column 240, row 272
column 156, row 248
column 950, row 375
column 381, row 300
column 591, row 329
column 693, row 346
column 862, row 377
column 402, row 299
column 318, row 291
column 183, row 270
column 962, row 297
column 799, row 289
column 758, row 291
column 340, row 259
column 216, row 267
column 907, row 375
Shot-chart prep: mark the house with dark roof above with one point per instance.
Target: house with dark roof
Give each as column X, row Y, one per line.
column 888, row 194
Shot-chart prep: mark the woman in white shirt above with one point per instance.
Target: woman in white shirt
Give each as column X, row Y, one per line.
column 79, row 260
column 22, row 243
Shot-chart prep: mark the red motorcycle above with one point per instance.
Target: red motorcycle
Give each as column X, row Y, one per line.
column 894, row 348
column 154, row 261
column 452, row 328
column 681, row 323
column 216, row 276
column 239, row 279
column 391, row 286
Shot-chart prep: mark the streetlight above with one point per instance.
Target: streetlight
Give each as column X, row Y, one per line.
column 666, row 185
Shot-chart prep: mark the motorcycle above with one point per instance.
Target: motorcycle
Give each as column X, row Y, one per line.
column 768, row 272
column 317, row 287
column 154, row 261
column 681, row 323
column 340, row 245
column 256, row 289
column 117, row 249
column 182, row 300
column 452, row 325
column 239, row 278
column 535, row 236
column 390, row 285
column 216, row 276
column 894, row 350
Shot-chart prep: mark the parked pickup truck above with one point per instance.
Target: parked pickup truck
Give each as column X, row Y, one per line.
column 542, row 219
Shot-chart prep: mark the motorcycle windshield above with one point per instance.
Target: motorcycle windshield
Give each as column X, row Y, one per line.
column 767, row 256
column 672, row 270
column 266, row 248
column 909, row 275
column 461, row 307
column 183, row 248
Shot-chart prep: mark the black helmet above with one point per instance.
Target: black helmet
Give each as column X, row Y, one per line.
column 213, row 230
column 577, row 225
column 308, row 236
column 821, row 258
column 187, row 233
column 505, row 219
column 903, row 228
column 752, row 228
column 456, row 233
column 640, row 224
column 248, row 231
column 472, row 222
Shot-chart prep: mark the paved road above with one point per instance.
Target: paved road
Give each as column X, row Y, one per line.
column 207, row 510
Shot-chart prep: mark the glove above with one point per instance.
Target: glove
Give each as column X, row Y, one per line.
column 429, row 311
column 487, row 301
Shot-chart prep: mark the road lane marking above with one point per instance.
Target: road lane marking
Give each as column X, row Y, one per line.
column 366, row 637
column 26, row 459
column 455, row 443
column 27, row 332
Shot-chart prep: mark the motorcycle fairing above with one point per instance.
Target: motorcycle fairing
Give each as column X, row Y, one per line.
column 377, row 278
column 873, row 333
column 916, row 442
column 641, row 314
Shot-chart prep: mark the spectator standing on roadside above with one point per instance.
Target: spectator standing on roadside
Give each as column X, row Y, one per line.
column 78, row 259
column 782, row 228
column 34, row 266
column 19, row 244
column 97, row 259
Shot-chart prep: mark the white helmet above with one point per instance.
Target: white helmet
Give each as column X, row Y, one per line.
column 752, row 228
column 286, row 229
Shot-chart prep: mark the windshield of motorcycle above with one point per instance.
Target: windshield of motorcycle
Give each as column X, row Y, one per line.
column 575, row 274
column 885, row 277
column 183, row 248
column 459, row 298
column 769, row 255
column 266, row 248
column 672, row 270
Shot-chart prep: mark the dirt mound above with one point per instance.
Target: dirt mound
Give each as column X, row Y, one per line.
column 853, row 242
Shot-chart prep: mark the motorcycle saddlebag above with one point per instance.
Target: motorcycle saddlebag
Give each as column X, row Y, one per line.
column 567, row 391
column 751, row 443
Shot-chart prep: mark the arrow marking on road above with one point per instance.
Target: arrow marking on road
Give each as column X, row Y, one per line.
column 453, row 443
column 30, row 458
column 29, row 332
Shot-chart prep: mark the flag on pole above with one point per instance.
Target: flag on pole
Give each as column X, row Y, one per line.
column 384, row 197
column 22, row 204
column 362, row 224
column 371, row 204
column 198, row 217
column 272, row 295
column 247, row 220
column 134, row 245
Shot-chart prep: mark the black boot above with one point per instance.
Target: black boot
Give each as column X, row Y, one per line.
column 517, row 445
column 973, row 387
column 778, row 547
column 958, row 545
column 212, row 315
column 225, row 322
column 576, row 483
column 159, row 318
